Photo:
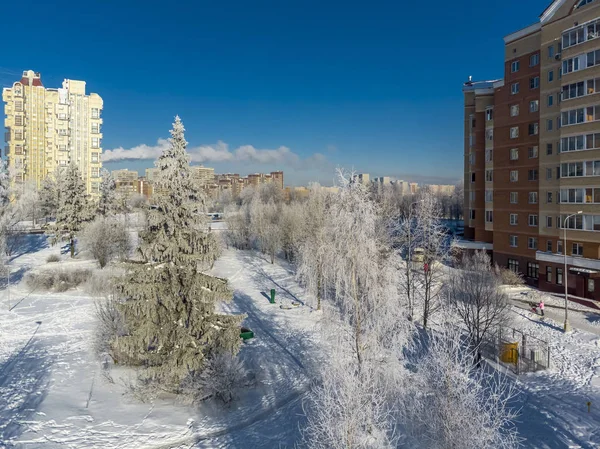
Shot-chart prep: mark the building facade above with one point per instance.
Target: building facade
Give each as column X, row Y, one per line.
column 531, row 158
column 47, row 129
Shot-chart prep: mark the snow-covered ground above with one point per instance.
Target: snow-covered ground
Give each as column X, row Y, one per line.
column 53, row 393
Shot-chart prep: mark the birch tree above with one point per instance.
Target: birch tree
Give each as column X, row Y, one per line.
column 168, row 303
column 312, row 250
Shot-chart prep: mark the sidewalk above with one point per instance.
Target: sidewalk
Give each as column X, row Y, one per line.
column 579, row 318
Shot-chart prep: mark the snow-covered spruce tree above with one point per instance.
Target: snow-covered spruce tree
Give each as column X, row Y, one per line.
column 50, row 194
column 168, row 304
column 73, row 208
column 106, row 203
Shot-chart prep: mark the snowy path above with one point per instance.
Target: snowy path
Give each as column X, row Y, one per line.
column 52, row 393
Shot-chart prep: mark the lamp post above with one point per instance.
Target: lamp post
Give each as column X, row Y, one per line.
column 566, row 326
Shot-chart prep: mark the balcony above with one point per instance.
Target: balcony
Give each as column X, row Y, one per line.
column 576, row 261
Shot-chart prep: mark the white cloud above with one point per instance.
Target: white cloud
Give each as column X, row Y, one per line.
column 220, row 152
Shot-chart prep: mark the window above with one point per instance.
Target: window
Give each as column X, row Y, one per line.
column 489, row 114
column 534, row 105
column 550, row 76
column 533, row 220
column 548, row 173
column 533, row 129
column 514, row 110
column 472, row 177
column 533, row 197
column 489, row 195
column 514, row 67
column 95, row 157
column 591, row 285
column 472, row 214
column 533, row 152
column 577, row 249
column 534, row 60
column 514, row 132
column 514, row 88
column 514, row 197
column 514, row 154
column 548, row 149
column 533, row 270
column 549, row 269
column 94, row 172
column 550, row 100
column 532, row 242
column 549, row 125
column 18, row 134
column 62, row 162
column 534, row 82
column 472, row 195
column 572, row 64
column 95, row 113
column 489, row 216
column 551, row 51
column 513, row 241
column 95, row 128
column 18, row 106
column 549, row 197
column 514, row 219
column 549, row 246
column 559, row 276
column 513, row 265
column 472, row 158
column 514, row 175
column 489, row 175
column 489, row 134
column 532, row 175
column 18, row 120
column 559, row 245
column 19, row 149
column 95, row 142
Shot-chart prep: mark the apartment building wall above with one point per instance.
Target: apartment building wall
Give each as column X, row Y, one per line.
column 46, row 129
column 516, row 155
column 567, row 177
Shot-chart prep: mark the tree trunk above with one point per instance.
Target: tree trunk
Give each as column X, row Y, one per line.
column 72, row 245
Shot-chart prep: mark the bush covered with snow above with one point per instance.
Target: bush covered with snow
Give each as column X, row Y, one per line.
column 105, row 239
column 57, row 279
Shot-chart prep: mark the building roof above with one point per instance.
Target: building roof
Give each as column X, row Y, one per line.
column 478, row 85
column 35, row 82
column 551, row 10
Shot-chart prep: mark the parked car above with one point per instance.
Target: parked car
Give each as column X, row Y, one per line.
column 418, row 255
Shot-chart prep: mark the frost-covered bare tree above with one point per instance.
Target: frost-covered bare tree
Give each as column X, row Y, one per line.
column 435, row 244
column 105, row 239
column 312, row 249
column 168, row 303
column 238, row 232
column 291, row 222
column 272, row 235
column 450, row 404
column 349, row 408
column 475, row 296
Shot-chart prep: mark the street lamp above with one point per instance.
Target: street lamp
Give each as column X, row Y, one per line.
column 566, row 326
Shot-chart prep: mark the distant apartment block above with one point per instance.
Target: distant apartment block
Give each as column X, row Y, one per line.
column 47, row 129
column 442, row 189
column 531, row 158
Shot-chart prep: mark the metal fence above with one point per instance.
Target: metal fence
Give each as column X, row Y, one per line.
column 517, row 351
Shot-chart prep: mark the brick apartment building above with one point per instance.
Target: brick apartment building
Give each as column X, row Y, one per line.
column 532, row 151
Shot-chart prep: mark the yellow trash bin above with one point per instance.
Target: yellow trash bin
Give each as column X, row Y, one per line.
column 510, row 352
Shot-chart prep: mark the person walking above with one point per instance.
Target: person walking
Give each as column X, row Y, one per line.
column 541, row 306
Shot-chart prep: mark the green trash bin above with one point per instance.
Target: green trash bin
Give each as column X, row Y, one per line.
column 272, row 296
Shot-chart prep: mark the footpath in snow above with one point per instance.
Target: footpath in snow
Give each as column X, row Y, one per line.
column 53, row 393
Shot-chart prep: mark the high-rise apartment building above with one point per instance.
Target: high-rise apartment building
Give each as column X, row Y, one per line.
column 531, row 156
column 47, row 129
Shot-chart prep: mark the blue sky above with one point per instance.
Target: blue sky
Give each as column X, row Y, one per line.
column 370, row 85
